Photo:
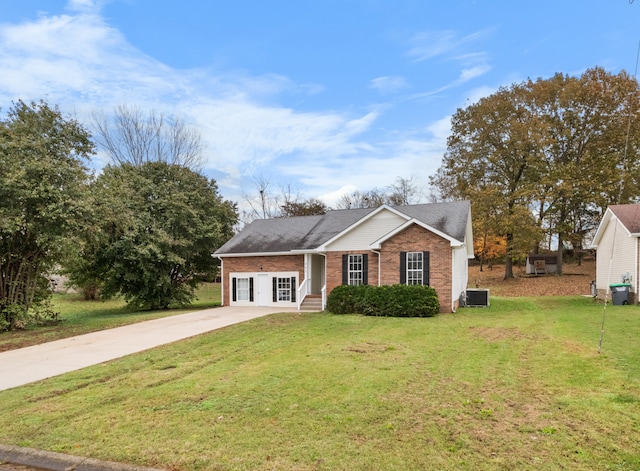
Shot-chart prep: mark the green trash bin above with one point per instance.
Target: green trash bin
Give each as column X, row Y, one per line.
column 620, row 294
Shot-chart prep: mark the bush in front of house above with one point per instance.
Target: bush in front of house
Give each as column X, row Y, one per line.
column 387, row 301
column 344, row 299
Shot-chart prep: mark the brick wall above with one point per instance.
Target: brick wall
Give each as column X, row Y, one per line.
column 413, row 239
column 418, row 239
column 334, row 268
column 257, row 264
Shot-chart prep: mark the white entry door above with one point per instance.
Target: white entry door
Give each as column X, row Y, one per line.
column 264, row 289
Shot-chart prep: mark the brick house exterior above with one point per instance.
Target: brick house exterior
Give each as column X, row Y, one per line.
column 289, row 260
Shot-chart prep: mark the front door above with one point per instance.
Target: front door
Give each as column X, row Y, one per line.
column 264, row 289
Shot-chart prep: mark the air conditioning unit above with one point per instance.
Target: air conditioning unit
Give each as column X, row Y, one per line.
column 477, row 298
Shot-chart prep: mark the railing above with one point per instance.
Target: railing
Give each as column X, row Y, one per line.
column 324, row 297
column 302, row 292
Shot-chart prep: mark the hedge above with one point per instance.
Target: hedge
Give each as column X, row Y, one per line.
column 388, row 301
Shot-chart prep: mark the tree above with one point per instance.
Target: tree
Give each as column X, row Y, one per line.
column 43, row 188
column 491, row 160
column 309, row 207
column 403, row 191
column 159, row 225
column 545, row 155
column 266, row 204
column 590, row 125
column 134, row 137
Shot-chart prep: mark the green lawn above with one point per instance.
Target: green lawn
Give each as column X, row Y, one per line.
column 80, row 317
column 519, row 385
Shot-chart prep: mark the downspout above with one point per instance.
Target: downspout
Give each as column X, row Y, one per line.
column 379, row 257
column 221, row 279
column 323, row 290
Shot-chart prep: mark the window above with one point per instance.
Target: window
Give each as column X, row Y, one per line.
column 414, row 268
column 284, row 289
column 242, row 289
column 355, row 270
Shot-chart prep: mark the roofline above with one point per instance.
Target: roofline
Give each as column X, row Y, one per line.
column 608, row 216
column 378, row 243
column 252, row 254
column 323, row 247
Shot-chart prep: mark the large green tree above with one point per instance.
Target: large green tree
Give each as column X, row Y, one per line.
column 43, row 183
column 545, row 156
column 157, row 227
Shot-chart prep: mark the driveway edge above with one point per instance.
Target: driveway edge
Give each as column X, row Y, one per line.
column 53, row 461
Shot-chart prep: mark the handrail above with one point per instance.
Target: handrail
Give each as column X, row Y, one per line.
column 324, row 297
column 301, row 293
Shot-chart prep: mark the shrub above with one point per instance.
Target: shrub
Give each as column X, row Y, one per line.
column 388, row 301
column 344, row 299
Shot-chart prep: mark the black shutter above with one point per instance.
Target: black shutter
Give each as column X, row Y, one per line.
column 251, row 289
column 293, row 289
column 345, row 269
column 234, row 296
column 275, row 289
column 403, row 268
column 365, row 269
column 425, row 269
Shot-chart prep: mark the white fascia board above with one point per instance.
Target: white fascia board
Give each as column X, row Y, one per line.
column 378, row 243
column 608, row 215
column 469, row 237
column 323, row 247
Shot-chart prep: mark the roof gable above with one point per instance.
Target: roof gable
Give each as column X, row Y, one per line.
column 627, row 214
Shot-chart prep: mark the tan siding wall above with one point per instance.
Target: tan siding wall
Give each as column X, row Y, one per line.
column 612, row 263
column 277, row 263
column 368, row 232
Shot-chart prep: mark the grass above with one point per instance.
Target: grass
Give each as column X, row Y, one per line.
column 80, row 317
column 519, row 385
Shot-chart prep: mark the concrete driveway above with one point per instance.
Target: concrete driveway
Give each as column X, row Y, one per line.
column 26, row 365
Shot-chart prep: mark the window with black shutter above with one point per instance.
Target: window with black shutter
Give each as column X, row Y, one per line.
column 355, row 269
column 414, row 268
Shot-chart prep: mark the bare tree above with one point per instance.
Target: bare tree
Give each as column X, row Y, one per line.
column 403, row 191
column 134, row 137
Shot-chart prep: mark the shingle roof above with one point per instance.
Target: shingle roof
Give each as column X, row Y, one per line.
column 628, row 215
column 309, row 232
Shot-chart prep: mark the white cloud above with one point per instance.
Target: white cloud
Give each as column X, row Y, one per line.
column 80, row 62
column 430, row 44
column 389, row 84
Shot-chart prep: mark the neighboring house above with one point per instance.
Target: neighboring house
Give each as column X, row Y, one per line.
column 617, row 242
column 289, row 261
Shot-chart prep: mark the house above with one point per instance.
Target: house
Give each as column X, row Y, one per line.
column 290, row 261
column 617, row 242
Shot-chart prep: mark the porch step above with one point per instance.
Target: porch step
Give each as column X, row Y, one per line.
column 311, row 303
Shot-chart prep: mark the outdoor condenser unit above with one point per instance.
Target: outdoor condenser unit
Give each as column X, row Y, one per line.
column 477, row 298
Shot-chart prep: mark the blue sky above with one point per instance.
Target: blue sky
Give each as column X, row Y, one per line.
column 324, row 96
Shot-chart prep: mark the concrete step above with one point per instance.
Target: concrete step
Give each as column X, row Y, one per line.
column 311, row 303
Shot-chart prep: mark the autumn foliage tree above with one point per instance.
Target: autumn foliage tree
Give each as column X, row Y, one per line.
column 545, row 155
